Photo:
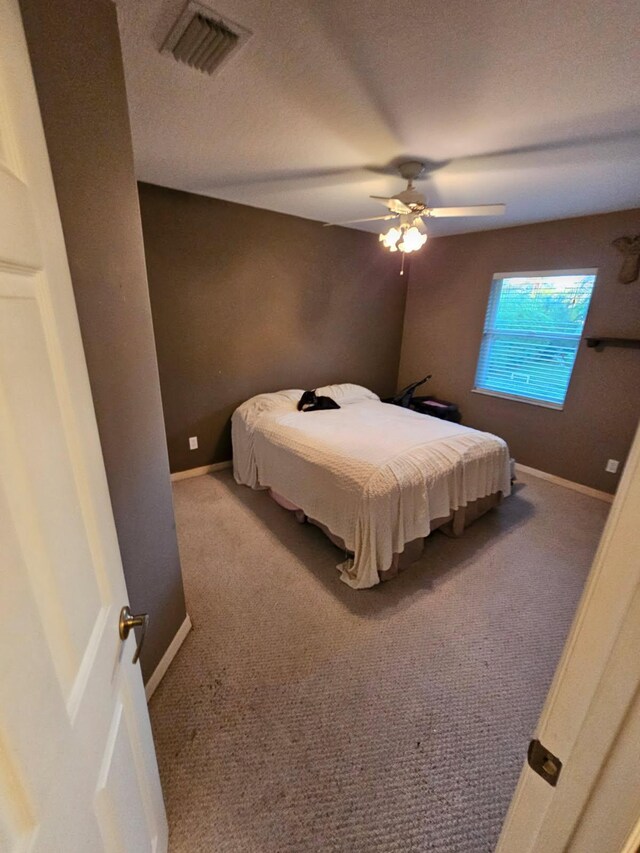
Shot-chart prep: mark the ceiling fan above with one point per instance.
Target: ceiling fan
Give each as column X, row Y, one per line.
column 410, row 208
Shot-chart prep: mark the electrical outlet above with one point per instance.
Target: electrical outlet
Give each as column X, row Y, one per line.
column 193, row 442
column 612, row 466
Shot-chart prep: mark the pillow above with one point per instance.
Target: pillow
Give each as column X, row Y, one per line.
column 263, row 403
column 346, row 393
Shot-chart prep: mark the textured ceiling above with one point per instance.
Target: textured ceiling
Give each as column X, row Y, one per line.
column 535, row 103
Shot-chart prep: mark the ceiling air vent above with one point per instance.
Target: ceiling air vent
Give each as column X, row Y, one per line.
column 203, row 39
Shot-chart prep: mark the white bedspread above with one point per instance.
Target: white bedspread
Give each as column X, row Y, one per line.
column 376, row 475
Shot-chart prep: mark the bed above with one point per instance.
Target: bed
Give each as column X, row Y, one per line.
column 376, row 478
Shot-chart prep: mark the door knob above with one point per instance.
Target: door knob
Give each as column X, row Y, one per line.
column 129, row 621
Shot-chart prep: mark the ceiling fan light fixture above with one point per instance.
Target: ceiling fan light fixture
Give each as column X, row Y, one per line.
column 405, row 237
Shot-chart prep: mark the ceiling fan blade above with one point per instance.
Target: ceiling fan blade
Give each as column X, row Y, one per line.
column 472, row 210
column 615, row 137
column 392, row 203
column 369, row 219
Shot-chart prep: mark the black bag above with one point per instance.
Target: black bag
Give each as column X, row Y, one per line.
column 425, row 405
column 437, row 408
column 403, row 398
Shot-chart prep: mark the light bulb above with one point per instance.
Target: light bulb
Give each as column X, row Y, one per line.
column 412, row 240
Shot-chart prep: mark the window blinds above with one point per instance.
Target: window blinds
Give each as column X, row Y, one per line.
column 531, row 335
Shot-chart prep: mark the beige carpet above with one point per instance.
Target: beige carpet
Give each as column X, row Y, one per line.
column 301, row 715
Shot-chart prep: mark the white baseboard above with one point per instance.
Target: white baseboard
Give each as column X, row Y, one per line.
column 167, row 657
column 568, row 484
column 197, row 472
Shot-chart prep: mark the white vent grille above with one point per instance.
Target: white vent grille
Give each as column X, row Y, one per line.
column 203, row 39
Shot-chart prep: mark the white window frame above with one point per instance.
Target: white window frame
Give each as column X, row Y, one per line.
column 529, row 274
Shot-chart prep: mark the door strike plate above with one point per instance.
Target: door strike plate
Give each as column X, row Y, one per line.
column 545, row 763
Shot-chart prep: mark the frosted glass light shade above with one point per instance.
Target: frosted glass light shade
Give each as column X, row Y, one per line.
column 390, row 239
column 412, row 240
column 405, row 237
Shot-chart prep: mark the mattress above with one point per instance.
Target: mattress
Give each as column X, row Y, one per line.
column 374, row 474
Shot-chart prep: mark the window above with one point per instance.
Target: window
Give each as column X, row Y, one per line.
column 531, row 335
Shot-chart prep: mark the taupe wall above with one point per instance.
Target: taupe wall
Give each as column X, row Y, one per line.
column 75, row 53
column 447, row 298
column 246, row 301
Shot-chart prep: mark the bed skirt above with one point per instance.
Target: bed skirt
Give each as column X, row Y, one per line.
column 453, row 525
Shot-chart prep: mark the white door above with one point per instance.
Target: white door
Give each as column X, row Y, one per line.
column 591, row 719
column 78, row 772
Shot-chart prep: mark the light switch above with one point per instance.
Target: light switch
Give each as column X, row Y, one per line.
column 612, row 466
column 193, row 442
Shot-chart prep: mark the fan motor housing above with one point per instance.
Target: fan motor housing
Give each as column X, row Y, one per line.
column 411, row 170
column 412, row 198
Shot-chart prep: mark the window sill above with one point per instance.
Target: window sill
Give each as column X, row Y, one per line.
column 555, row 406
